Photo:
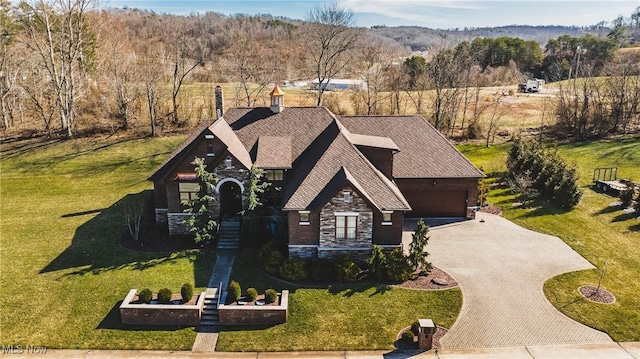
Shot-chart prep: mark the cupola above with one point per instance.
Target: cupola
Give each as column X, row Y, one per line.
column 277, row 99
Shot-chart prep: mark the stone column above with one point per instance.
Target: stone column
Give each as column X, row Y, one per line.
column 425, row 333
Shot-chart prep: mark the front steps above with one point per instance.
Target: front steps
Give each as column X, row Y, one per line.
column 229, row 235
column 210, row 311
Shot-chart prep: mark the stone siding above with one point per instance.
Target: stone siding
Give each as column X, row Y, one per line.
column 236, row 172
column 303, row 251
column 161, row 216
column 359, row 255
column 176, row 223
column 364, row 226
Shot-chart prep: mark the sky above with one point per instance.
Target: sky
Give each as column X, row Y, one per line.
column 442, row 14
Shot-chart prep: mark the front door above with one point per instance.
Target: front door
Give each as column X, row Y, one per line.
column 230, row 200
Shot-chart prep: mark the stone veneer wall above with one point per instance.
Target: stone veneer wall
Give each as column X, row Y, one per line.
column 364, row 229
column 161, row 215
column 175, row 220
column 303, row 251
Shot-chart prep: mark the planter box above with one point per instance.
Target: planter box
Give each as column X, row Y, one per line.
column 254, row 314
column 160, row 314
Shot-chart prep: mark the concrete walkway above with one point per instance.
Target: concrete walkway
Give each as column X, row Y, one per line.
column 501, row 268
column 207, row 337
column 630, row 350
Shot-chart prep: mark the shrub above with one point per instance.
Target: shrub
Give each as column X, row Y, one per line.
column 398, row 267
column 407, row 336
column 164, row 295
column 233, row 291
column 145, row 295
column 294, row 269
column 415, row 327
column 270, row 296
column 346, row 269
column 376, row 262
column 270, row 258
column 187, row 292
column 252, row 294
column 321, row 270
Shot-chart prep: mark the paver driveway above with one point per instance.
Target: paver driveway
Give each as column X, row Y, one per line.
column 501, row 268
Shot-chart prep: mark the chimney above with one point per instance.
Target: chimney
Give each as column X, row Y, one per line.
column 218, row 95
column 277, row 99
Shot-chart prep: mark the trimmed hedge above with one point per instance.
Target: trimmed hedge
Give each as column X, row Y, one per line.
column 270, row 296
column 233, row 291
column 252, row 294
column 187, row 292
column 271, row 258
column 346, row 269
column 164, row 295
column 145, row 295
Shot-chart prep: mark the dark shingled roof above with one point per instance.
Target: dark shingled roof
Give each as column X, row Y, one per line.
column 424, row 152
column 317, row 175
column 273, row 152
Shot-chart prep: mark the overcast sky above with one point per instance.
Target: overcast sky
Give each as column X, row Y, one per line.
column 427, row 13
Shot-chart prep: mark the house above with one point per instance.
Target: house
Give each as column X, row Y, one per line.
column 343, row 183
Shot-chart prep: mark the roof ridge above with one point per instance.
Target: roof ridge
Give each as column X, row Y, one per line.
column 390, row 184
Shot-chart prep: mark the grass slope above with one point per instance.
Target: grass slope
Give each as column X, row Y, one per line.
column 63, row 272
column 343, row 317
column 594, row 229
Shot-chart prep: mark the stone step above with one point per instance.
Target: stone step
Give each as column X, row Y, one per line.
column 209, row 323
column 209, row 317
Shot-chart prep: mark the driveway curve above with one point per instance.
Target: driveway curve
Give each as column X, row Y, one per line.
column 501, row 268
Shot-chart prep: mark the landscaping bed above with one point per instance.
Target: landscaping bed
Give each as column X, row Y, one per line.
column 256, row 312
column 134, row 311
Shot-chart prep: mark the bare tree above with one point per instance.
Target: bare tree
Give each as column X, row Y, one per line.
column 330, row 36
column 498, row 110
column 375, row 59
column 150, row 69
column 250, row 58
column 57, row 33
column 186, row 53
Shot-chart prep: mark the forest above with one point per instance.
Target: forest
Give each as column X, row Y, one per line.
column 68, row 68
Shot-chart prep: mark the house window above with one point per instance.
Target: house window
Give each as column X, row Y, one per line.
column 346, row 196
column 188, row 191
column 227, row 163
column 274, row 175
column 386, row 218
column 304, row 217
column 346, row 226
column 209, row 141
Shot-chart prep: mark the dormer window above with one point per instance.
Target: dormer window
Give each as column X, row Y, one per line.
column 346, row 196
column 227, row 163
column 209, row 142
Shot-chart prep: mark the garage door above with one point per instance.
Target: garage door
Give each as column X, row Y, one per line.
column 437, row 203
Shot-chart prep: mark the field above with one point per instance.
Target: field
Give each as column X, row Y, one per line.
column 600, row 233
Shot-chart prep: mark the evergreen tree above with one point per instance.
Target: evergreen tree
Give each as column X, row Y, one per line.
column 201, row 222
column 417, row 255
column 377, row 261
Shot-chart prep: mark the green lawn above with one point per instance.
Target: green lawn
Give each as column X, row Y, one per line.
column 593, row 229
column 62, row 270
column 343, row 317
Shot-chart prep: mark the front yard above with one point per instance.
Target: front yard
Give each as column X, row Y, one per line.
column 593, row 229
column 64, row 274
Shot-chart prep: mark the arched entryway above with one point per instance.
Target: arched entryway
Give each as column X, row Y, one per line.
column 230, row 198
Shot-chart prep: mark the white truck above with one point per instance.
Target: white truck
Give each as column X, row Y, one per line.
column 534, row 85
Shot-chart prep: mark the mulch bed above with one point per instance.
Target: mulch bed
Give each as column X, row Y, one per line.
column 491, row 209
column 602, row 296
column 155, row 239
column 436, row 279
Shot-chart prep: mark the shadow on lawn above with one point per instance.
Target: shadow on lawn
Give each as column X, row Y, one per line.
column 347, row 290
column 95, row 247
